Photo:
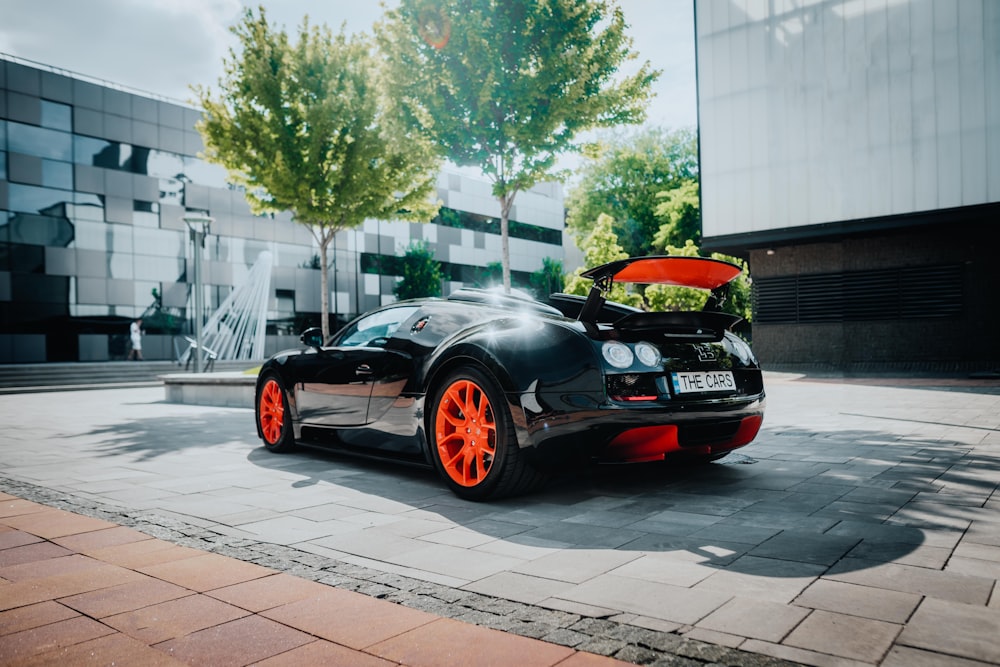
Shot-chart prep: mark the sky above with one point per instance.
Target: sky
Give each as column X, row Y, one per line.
column 165, row 46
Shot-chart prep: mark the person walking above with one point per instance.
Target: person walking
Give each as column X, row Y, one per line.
column 135, row 334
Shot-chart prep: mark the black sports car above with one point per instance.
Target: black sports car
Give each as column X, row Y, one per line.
column 495, row 391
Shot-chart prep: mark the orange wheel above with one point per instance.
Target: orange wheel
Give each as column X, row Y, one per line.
column 272, row 417
column 472, row 440
column 466, row 433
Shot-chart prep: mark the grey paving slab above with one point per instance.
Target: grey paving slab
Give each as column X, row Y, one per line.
column 584, row 535
column 968, row 549
column 453, row 561
column 576, row 565
column 671, row 603
column 861, row 639
column 974, row 566
column 966, row 631
column 736, row 533
column 970, row 589
column 759, row 619
column 806, row 547
column 762, row 578
column 517, row 586
column 984, row 532
column 665, row 569
column 865, row 601
column 904, row 656
column 856, row 502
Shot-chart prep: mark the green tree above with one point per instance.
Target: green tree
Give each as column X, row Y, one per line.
column 507, row 85
column 491, row 275
column 625, row 180
column 673, row 297
column 548, row 279
column 307, row 128
column 421, row 273
column 680, row 214
column 602, row 247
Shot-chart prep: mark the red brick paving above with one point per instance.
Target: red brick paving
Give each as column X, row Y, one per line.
column 80, row 591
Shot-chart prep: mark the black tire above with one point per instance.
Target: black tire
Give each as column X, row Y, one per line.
column 274, row 421
column 472, row 441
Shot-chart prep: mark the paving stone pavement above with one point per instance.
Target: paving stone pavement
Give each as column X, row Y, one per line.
column 861, row 528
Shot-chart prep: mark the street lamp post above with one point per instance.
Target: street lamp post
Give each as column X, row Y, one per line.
column 198, row 224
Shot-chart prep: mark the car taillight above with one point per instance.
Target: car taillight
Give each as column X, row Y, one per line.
column 632, row 387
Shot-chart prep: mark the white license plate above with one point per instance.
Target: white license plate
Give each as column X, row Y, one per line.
column 702, row 381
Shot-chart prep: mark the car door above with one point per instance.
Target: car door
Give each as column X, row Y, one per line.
column 335, row 384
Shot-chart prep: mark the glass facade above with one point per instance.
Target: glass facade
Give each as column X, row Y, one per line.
column 94, row 182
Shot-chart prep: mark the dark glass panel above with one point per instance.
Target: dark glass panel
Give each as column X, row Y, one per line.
column 31, row 199
column 40, row 289
column 138, row 162
column 448, row 217
column 19, row 258
column 57, row 116
column 87, row 207
column 57, row 174
column 42, row 230
column 39, row 141
column 96, row 152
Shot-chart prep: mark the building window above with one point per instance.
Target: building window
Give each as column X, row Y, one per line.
column 57, row 116
column 39, row 141
column 57, row 174
column 449, row 217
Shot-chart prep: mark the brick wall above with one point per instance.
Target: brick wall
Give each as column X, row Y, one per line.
column 968, row 340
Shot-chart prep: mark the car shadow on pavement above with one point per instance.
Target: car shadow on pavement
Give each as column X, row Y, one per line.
column 794, row 505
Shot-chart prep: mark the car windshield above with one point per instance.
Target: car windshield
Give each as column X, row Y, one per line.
column 373, row 330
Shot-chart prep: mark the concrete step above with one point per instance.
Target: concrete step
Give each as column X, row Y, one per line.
column 18, row 378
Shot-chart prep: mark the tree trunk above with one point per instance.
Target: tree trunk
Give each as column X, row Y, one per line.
column 506, row 202
column 324, row 282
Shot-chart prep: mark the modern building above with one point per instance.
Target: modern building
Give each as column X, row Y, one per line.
column 95, row 181
column 851, row 150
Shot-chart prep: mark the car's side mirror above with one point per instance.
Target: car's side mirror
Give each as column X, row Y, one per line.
column 312, row 337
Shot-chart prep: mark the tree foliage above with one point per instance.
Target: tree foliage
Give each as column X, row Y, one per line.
column 625, row 180
column 421, row 273
column 307, row 127
column 507, row 85
column 672, row 297
column 602, row 247
column 490, row 275
column 679, row 213
column 548, row 279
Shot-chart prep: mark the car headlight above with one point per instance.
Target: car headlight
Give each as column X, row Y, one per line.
column 648, row 354
column 617, row 354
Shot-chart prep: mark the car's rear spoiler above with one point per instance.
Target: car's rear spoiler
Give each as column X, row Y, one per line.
column 697, row 272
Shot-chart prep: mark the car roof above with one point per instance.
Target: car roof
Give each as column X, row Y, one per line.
column 515, row 300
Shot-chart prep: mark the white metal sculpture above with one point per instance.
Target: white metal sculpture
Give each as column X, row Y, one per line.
column 236, row 330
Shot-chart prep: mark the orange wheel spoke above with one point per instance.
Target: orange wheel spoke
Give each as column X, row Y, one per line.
column 272, row 412
column 466, row 433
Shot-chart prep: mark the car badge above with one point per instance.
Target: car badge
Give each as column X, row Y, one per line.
column 419, row 325
column 705, row 352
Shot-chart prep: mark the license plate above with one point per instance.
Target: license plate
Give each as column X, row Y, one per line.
column 700, row 382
